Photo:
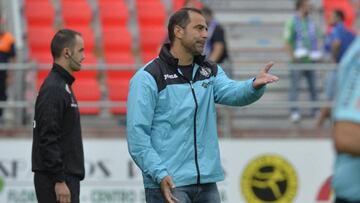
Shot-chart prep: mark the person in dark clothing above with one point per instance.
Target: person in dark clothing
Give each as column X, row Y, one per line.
column 215, row 47
column 57, row 151
column 7, row 54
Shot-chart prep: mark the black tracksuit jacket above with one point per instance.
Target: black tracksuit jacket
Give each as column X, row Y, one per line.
column 57, row 143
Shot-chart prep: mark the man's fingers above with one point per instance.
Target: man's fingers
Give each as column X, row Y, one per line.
column 63, row 198
column 274, row 78
column 168, row 196
column 171, row 184
column 268, row 66
column 173, row 197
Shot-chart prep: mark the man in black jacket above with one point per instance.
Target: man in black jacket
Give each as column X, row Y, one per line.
column 57, row 153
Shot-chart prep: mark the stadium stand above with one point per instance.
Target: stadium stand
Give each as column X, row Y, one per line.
column 113, row 13
column 39, row 13
column 134, row 34
column 72, row 16
column 151, row 26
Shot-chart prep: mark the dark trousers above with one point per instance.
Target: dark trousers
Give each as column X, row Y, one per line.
column 2, row 88
column 203, row 193
column 45, row 188
column 338, row 200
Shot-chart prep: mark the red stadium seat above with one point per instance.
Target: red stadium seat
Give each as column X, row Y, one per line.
column 119, row 58
column 117, row 80
column 41, row 57
column 177, row 4
column 126, row 64
column 113, row 13
column 39, row 39
column 32, row 1
column 147, row 56
column 151, row 39
column 87, row 91
column 67, row 1
column 118, row 91
column 146, row 15
column 39, row 13
column 76, row 13
column 40, row 76
column 117, row 39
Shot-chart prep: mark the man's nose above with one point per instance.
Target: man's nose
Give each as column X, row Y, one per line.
column 205, row 34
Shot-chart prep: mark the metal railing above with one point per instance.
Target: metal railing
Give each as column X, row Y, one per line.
column 23, row 89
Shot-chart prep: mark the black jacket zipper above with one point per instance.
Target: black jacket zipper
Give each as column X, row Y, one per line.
column 195, row 145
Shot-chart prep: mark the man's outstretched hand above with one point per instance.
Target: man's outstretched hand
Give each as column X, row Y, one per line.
column 264, row 77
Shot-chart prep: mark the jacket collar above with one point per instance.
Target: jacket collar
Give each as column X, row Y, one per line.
column 166, row 56
column 69, row 79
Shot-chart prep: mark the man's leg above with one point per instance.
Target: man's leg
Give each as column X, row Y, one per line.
column 73, row 184
column 2, row 88
column 44, row 188
column 311, row 78
column 154, row 195
column 293, row 94
column 207, row 193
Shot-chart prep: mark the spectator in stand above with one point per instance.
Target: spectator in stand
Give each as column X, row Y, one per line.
column 7, row 54
column 301, row 38
column 336, row 43
column 215, row 48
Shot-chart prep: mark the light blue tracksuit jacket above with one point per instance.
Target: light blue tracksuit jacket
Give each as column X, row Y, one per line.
column 171, row 121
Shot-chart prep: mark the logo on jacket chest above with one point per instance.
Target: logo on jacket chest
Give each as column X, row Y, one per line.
column 170, row 76
column 206, row 72
column 73, row 103
column 206, row 84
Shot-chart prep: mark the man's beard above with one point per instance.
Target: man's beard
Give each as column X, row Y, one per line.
column 192, row 49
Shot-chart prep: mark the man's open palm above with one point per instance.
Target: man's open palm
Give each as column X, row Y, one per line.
column 264, row 77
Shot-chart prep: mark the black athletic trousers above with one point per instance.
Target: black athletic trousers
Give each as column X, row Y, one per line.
column 45, row 188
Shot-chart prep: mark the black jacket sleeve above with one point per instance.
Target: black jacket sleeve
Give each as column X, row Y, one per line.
column 52, row 106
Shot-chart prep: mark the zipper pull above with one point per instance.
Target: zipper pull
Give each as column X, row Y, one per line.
column 191, row 84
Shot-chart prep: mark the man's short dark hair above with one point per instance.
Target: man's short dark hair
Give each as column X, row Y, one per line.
column 299, row 4
column 340, row 14
column 62, row 39
column 180, row 18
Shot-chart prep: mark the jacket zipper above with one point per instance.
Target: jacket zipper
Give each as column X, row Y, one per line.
column 195, row 145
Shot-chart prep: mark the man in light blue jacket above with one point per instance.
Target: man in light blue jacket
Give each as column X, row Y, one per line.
column 346, row 114
column 171, row 117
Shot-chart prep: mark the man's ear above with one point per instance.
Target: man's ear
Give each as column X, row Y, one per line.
column 178, row 31
column 66, row 52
